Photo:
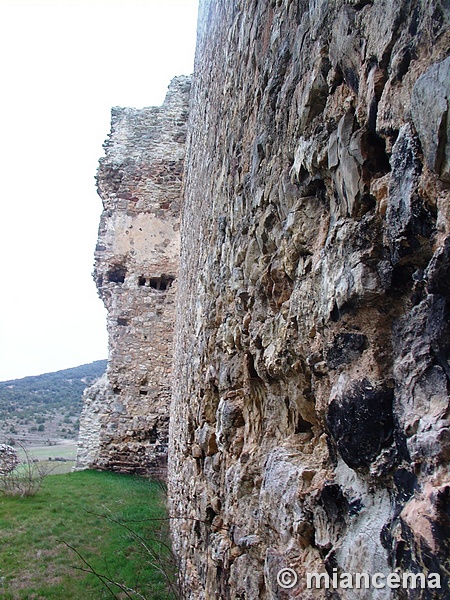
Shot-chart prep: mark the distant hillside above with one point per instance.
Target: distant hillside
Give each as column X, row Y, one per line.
column 47, row 405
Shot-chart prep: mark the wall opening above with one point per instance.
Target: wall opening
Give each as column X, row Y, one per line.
column 161, row 283
column 117, row 274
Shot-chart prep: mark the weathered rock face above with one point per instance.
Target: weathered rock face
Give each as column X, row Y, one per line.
column 310, row 415
column 124, row 425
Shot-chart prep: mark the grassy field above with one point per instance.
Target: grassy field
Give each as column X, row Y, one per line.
column 54, row 460
column 66, row 451
column 78, row 510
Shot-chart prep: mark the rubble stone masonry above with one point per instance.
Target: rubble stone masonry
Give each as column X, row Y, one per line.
column 310, row 416
column 124, row 424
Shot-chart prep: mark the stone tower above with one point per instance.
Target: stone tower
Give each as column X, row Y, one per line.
column 124, row 424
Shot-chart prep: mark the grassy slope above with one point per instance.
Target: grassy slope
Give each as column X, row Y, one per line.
column 35, row 564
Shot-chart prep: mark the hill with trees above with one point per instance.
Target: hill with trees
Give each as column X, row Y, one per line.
column 45, row 407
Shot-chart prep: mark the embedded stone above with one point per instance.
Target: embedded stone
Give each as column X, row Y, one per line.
column 361, row 422
column 430, row 112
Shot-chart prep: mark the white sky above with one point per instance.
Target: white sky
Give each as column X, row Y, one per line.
column 64, row 64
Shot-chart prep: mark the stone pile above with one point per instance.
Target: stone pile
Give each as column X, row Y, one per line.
column 9, row 459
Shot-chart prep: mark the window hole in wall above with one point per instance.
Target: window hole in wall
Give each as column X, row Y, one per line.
column 161, row 284
column 122, row 321
column 143, row 385
column 153, row 434
column 117, row 274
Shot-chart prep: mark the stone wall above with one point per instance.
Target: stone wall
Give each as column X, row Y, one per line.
column 124, row 424
column 310, row 415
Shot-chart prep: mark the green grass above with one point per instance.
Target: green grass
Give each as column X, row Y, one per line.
column 37, row 564
column 46, row 456
column 67, row 451
column 56, row 468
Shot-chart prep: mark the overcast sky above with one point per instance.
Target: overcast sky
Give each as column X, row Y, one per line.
column 64, row 64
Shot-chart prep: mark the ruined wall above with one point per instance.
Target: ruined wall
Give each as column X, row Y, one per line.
column 124, row 424
column 310, row 415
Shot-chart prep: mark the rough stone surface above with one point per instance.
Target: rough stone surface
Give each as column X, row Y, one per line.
column 124, row 424
column 310, row 416
column 9, row 459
